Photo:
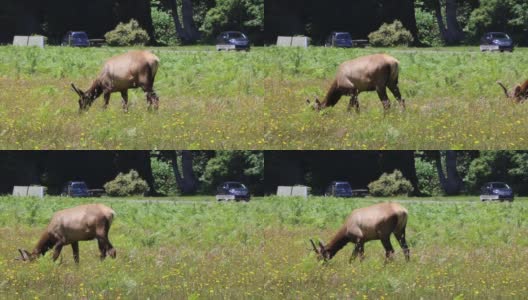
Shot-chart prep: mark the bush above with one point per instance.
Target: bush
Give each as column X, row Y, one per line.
column 164, row 180
column 428, row 181
column 164, row 29
column 126, row 185
column 390, row 185
column 428, row 31
column 390, row 35
column 129, row 34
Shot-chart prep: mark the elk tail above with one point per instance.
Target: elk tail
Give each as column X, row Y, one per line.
column 504, row 88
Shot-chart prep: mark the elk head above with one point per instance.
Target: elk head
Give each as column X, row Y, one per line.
column 85, row 98
column 322, row 253
column 316, row 105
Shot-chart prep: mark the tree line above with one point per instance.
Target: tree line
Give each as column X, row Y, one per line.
column 431, row 22
column 185, row 172
column 189, row 21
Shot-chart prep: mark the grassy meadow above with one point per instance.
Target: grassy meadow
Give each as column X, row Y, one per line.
column 256, row 100
column 208, row 100
column 460, row 248
column 452, row 101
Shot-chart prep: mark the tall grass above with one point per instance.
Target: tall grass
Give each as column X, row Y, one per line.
column 209, row 100
column 452, row 101
column 260, row 249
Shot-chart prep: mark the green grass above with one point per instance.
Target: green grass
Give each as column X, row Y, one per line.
column 260, row 249
column 256, row 100
column 452, row 101
column 209, row 100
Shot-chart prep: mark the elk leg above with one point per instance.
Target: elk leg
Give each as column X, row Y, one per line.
column 124, row 102
column 102, row 232
column 102, row 248
column 75, row 248
column 354, row 102
column 382, row 94
column 396, row 92
column 57, row 251
column 106, row 99
column 400, row 236
column 357, row 250
column 389, row 251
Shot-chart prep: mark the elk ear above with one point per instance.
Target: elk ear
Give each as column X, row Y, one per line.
column 314, row 247
column 321, row 246
column 23, row 254
column 308, row 101
column 75, row 89
column 317, row 101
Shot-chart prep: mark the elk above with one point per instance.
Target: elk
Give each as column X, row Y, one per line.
column 120, row 73
column 367, row 73
column 520, row 92
column 375, row 222
column 71, row 225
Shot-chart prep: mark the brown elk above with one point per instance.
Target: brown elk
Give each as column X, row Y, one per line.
column 367, row 73
column 375, row 222
column 120, row 73
column 69, row 226
column 519, row 94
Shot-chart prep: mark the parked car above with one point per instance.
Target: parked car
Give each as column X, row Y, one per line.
column 344, row 190
column 496, row 191
column 76, row 189
column 339, row 39
column 76, row 39
column 232, row 190
column 232, row 40
column 496, row 41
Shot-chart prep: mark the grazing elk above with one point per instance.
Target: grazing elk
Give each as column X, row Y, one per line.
column 375, row 222
column 120, row 73
column 69, row 226
column 520, row 92
column 367, row 73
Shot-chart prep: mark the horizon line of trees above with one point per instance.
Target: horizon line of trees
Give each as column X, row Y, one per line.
column 186, row 172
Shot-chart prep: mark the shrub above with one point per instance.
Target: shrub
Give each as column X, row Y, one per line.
column 164, row 180
column 390, row 185
column 428, row 31
column 164, row 29
column 126, row 185
column 390, row 35
column 127, row 34
column 428, row 181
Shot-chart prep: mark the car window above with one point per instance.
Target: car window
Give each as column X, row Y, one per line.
column 500, row 185
column 80, row 35
column 344, row 36
column 79, row 185
column 500, row 36
column 236, row 185
column 236, row 35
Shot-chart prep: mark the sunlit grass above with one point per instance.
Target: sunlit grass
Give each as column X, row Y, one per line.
column 260, row 249
column 452, row 101
column 209, row 100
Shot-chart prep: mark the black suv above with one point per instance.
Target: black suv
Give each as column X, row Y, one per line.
column 232, row 190
column 496, row 191
column 496, row 41
column 343, row 189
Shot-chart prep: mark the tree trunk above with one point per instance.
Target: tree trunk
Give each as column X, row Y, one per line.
column 189, row 178
column 188, row 21
column 452, row 34
column 186, row 183
column 452, row 184
column 187, row 33
column 175, row 16
column 454, row 31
